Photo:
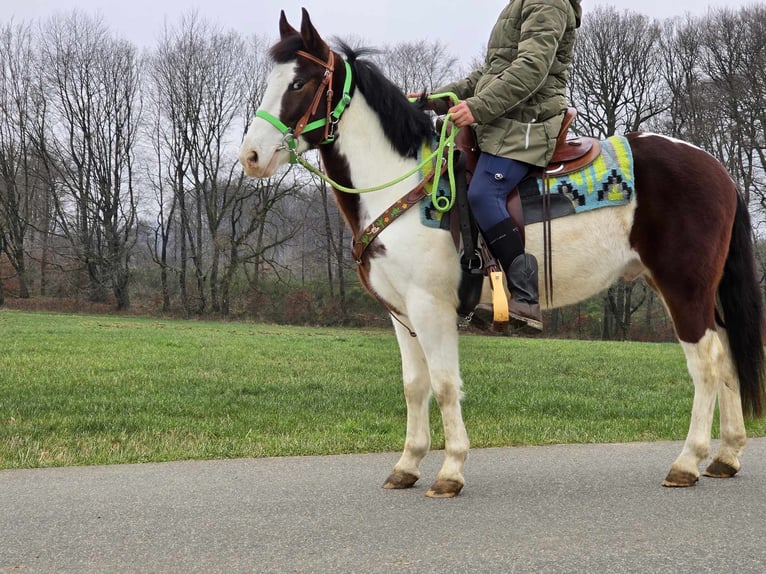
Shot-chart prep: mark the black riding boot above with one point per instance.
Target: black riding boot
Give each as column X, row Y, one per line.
column 524, row 308
column 520, row 270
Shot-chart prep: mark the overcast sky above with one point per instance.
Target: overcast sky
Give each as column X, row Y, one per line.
column 463, row 26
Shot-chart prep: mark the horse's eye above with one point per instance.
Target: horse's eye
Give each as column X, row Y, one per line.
column 297, row 85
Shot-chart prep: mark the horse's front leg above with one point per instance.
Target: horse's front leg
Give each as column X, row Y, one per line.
column 725, row 463
column 447, row 389
column 704, row 360
column 435, row 323
column 417, row 393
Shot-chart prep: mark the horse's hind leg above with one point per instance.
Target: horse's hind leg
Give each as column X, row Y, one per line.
column 417, row 392
column 725, row 463
column 704, row 360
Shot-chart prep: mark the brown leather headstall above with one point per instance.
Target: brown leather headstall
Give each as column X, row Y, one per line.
column 324, row 88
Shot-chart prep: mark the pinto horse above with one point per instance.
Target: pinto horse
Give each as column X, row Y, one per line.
column 686, row 231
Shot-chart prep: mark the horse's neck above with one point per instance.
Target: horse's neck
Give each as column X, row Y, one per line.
column 371, row 160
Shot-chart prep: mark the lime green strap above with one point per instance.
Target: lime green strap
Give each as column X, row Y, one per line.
column 289, row 141
column 451, row 95
column 441, row 203
column 346, row 98
column 273, row 120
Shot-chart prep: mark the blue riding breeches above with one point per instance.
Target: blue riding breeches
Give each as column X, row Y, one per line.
column 493, row 179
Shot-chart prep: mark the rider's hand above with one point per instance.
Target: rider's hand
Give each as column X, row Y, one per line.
column 462, row 115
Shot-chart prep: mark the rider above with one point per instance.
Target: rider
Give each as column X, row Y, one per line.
column 517, row 101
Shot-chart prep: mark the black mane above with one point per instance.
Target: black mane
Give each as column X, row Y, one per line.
column 405, row 124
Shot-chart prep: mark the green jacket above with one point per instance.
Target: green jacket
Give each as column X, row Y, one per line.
column 519, row 96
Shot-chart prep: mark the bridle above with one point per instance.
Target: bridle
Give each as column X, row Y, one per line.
column 440, row 155
column 304, row 125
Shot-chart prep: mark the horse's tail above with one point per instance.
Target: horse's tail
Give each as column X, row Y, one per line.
column 741, row 301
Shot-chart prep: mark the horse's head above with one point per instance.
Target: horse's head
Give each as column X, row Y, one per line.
column 306, row 93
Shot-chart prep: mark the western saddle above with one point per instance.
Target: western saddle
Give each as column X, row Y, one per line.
column 571, row 154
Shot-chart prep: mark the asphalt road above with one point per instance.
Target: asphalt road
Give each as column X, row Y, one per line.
column 589, row 508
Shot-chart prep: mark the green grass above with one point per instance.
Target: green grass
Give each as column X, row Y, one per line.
column 101, row 390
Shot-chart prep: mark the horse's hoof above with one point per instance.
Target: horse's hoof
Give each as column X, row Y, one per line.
column 718, row 469
column 680, row 478
column 444, row 489
column 399, row 480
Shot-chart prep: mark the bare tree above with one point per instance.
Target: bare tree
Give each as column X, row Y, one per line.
column 327, row 232
column 257, row 221
column 172, row 156
column 189, row 127
column 214, row 173
column 681, row 44
column 615, row 82
column 418, row 66
column 20, row 184
column 206, row 85
column 92, row 81
column 733, row 52
column 159, row 174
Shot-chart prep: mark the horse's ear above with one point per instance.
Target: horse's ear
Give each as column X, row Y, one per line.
column 284, row 27
column 311, row 38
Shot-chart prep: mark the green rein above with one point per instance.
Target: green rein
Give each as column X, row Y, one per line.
column 441, row 203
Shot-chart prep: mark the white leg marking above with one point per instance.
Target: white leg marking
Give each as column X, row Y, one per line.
column 435, row 322
column 704, row 360
column 417, row 393
column 733, row 434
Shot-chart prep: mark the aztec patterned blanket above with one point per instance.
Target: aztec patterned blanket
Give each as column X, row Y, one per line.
column 608, row 181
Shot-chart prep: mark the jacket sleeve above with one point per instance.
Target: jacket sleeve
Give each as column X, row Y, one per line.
column 543, row 25
column 464, row 88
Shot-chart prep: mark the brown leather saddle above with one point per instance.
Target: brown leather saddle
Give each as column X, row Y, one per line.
column 571, row 154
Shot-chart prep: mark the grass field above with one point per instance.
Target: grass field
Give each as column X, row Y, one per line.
column 78, row 389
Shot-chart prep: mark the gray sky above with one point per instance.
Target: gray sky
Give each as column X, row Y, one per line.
column 463, row 27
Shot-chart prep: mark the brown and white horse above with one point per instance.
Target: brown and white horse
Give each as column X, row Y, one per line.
column 686, row 231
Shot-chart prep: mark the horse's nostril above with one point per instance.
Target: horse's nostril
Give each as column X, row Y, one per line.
column 253, row 158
